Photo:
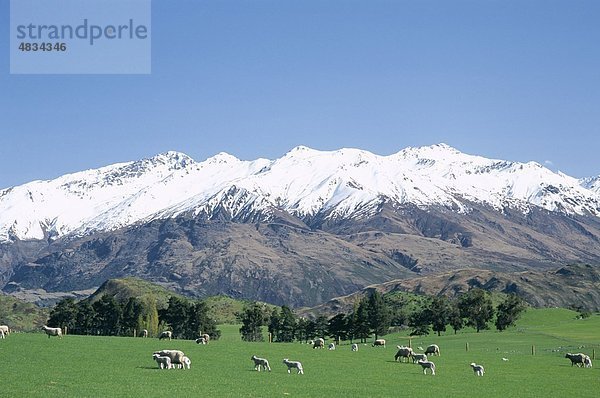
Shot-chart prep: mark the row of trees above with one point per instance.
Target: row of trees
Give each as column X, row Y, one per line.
column 109, row 317
column 372, row 315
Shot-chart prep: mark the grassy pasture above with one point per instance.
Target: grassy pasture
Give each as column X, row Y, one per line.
column 82, row 366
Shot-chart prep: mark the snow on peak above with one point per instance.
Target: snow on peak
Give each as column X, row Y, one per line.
column 344, row 183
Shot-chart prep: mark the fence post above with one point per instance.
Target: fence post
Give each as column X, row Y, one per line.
column 594, row 353
column 410, row 342
column 134, row 332
column 467, row 346
column 65, row 331
column 270, row 338
column 532, row 349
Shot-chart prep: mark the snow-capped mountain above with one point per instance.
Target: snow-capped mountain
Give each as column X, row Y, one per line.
column 347, row 183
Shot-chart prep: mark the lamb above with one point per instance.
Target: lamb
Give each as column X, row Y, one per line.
column 144, row 333
column 1, row 334
column 175, row 356
column 477, row 369
column 52, row 331
column 379, row 342
column 587, row 362
column 427, row 365
column 433, row 349
column 576, row 359
column 206, row 337
column 403, row 352
column 200, row 340
column 319, row 343
column 331, row 346
column 293, row 364
column 167, row 334
column 258, row 362
column 5, row 329
column 162, row 361
column 354, row 347
column 418, row 357
column 186, row 362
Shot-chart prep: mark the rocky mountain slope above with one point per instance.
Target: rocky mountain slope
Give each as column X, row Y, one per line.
column 298, row 230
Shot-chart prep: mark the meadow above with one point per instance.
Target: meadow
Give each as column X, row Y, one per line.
column 85, row 366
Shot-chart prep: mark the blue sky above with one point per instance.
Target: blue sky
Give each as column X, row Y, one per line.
column 516, row 80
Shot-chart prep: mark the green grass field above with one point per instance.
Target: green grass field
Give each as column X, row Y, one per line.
column 81, row 366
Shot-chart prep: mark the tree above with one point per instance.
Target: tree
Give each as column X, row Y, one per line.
column 199, row 322
column 107, row 319
column 176, row 315
column 320, row 326
column 131, row 313
column 419, row 321
column 64, row 314
column 287, row 325
column 274, row 324
column 85, row 318
column 454, row 318
column 252, row 320
column 439, row 314
column 150, row 319
column 337, row 327
column 360, row 321
column 476, row 307
column 509, row 311
column 379, row 314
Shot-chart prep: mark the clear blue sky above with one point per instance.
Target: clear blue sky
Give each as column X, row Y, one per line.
column 516, row 80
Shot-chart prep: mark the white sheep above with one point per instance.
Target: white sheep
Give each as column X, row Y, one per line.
column 319, row 343
column 477, row 369
column 354, row 347
column 258, row 362
column 52, row 331
column 1, row 334
column 331, row 346
column 185, row 362
column 206, row 337
column 379, row 343
column 418, row 357
column 175, row 356
column 5, row 329
column 433, row 349
column 200, row 340
column 403, row 352
column 587, row 362
column 144, row 333
column 167, row 334
column 427, row 365
column 163, row 362
column 293, row 364
column 576, row 359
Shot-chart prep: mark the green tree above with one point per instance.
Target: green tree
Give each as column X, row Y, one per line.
column 439, row 313
column 85, row 318
column 454, row 318
column 476, row 308
column 320, row 327
column 200, row 322
column 150, row 319
column 274, row 324
column 131, row 314
column 107, row 319
column 379, row 314
column 419, row 321
column 64, row 314
column 176, row 315
column 509, row 311
column 287, row 325
column 252, row 320
column 360, row 321
column 337, row 327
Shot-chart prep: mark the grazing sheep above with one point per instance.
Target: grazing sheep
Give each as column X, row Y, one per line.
column 5, row 329
column 477, row 369
column 379, row 342
column 576, row 359
column 258, row 362
column 167, row 334
column 403, row 352
column 433, row 349
column 587, row 362
column 331, row 346
column 144, row 333
column 175, row 356
column 52, row 331
column 293, row 364
column 354, row 347
column 163, row 362
column 319, row 343
column 418, row 357
column 186, row 362
column 505, row 359
column 200, row 340
column 427, row 365
column 206, row 337
column 1, row 334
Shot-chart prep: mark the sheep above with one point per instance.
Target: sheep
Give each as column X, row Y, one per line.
column 185, row 362
column 163, row 362
column 379, row 342
column 167, row 334
column 175, row 356
column 206, row 337
column 1, row 334
column 427, row 365
column 576, row 359
column 418, row 357
column 331, row 346
column 293, row 364
column 403, row 352
column 5, row 329
column 144, row 333
column 200, row 340
column 52, row 331
column 433, row 349
column 477, row 369
column 587, row 362
column 319, row 343
column 354, row 347
column 258, row 362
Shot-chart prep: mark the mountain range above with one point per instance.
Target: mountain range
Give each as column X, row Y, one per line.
column 298, row 230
